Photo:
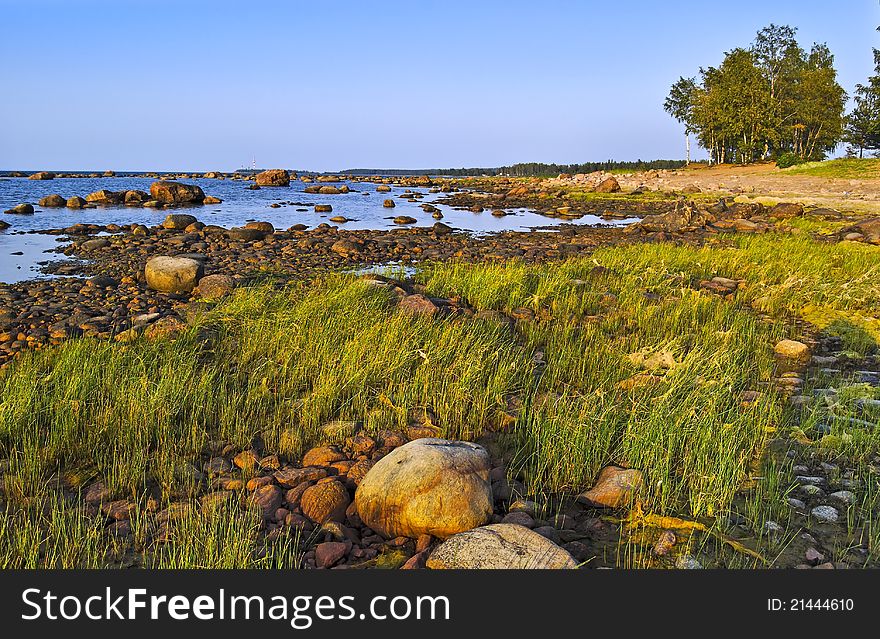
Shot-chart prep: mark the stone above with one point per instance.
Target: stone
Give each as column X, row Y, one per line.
column 787, row 210
column 329, row 553
column 388, row 204
column 178, row 221
column 263, row 227
column 53, row 201
column 608, row 185
column 168, row 192
column 75, row 202
column 405, row 219
column 685, row 217
column 106, row 197
column 793, row 350
column 20, row 209
column 173, row 274
column 210, row 199
column 825, row 514
column 322, row 456
column 418, row 304
column 499, row 546
column 267, row 498
column 614, row 488
column 42, row 175
column 273, row 177
column 429, row 486
column 213, row 287
column 326, row 501
column 293, row 477
column 135, row 198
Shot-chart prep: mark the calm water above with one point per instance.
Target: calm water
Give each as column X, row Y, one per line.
column 363, row 206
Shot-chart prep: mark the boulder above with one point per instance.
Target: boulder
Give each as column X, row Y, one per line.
column 787, row 210
column 53, row 201
column 178, row 221
column 42, row 175
column 213, row 287
column 323, row 208
column 20, row 209
column 329, row 190
column 135, row 197
column 245, row 235
column 75, row 202
column 615, row 487
column 793, row 350
column 106, row 197
column 325, row 501
column 210, row 199
column 173, row 274
column 388, row 204
column 428, row 486
column 499, row 546
column 869, row 229
column 168, row 192
column 685, row 217
column 608, row 185
column 4, row 225
column 273, row 177
column 263, row 227
column 405, row 219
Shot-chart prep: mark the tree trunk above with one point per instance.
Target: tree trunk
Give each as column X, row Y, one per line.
column 687, row 140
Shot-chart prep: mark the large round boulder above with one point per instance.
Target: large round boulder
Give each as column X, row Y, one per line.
column 168, row 192
column 42, row 175
column 428, row 486
column 75, row 202
column 178, row 221
column 273, row 177
column 173, row 274
column 52, row 201
column 499, row 546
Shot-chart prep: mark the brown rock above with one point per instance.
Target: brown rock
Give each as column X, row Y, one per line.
column 608, row 185
column 329, row 553
column 273, row 177
column 325, row 502
column 168, row 192
column 615, row 487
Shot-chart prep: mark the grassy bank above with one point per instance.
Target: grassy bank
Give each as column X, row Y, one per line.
column 847, row 169
column 619, row 358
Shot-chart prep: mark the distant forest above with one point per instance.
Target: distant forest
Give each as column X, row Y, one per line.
column 530, row 169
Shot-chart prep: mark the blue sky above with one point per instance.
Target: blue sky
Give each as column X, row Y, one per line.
column 136, row 85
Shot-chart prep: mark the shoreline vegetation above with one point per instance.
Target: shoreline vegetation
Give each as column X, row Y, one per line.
column 700, row 388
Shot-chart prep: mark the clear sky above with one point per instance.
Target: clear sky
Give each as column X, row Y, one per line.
column 192, row 85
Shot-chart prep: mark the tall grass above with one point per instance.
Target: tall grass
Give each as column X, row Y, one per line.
column 274, row 365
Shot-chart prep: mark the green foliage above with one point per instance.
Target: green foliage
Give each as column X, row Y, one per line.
column 863, row 124
column 788, row 159
column 772, row 98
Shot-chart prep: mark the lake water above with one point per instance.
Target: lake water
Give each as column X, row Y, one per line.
column 363, row 206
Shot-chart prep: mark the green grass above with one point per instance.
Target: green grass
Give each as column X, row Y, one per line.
column 276, row 364
column 848, row 168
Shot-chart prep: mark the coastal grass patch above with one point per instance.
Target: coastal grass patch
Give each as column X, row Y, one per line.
column 844, row 168
column 617, row 358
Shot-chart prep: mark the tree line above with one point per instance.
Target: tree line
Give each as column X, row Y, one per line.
column 775, row 99
column 530, row 169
